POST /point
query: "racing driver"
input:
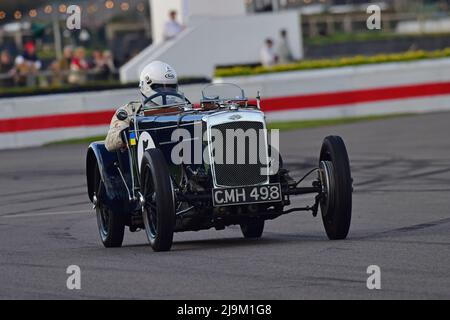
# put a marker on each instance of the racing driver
(155, 77)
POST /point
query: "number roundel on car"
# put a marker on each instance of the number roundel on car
(145, 143)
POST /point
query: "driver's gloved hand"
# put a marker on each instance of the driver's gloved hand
(120, 121)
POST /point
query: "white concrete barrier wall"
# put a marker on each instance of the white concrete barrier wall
(211, 41)
(422, 86)
(73, 108)
(344, 79)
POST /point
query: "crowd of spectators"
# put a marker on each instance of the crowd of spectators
(75, 67)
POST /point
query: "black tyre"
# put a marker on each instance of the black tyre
(336, 200)
(159, 209)
(252, 229)
(111, 225)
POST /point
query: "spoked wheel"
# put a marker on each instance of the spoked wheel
(159, 208)
(336, 197)
(110, 224)
(253, 228)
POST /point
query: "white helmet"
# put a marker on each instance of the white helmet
(157, 76)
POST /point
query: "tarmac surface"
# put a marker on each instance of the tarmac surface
(401, 223)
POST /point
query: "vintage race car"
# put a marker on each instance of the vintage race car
(191, 168)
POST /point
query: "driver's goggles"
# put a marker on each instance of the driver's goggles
(164, 87)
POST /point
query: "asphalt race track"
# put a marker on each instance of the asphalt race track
(401, 222)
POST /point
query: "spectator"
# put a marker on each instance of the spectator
(6, 63)
(284, 51)
(97, 59)
(78, 67)
(172, 28)
(103, 65)
(268, 56)
(27, 66)
(6, 69)
(109, 63)
(97, 65)
(66, 60)
(61, 67)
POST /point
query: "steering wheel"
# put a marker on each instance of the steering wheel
(164, 95)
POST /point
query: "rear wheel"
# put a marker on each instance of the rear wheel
(335, 176)
(252, 228)
(159, 208)
(111, 225)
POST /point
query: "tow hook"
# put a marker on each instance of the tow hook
(94, 201)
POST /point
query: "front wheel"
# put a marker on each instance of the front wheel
(159, 208)
(336, 196)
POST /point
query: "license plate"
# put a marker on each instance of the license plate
(246, 195)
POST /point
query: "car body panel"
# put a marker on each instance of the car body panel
(115, 194)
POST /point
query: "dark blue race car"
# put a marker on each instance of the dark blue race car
(189, 169)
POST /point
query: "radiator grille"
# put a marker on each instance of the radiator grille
(231, 173)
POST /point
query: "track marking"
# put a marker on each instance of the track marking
(43, 214)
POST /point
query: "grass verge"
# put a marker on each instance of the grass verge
(313, 64)
(87, 140)
(304, 124)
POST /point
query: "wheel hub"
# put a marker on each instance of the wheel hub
(326, 174)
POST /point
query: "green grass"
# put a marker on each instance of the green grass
(87, 140)
(282, 126)
(305, 124)
(313, 64)
(341, 37)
